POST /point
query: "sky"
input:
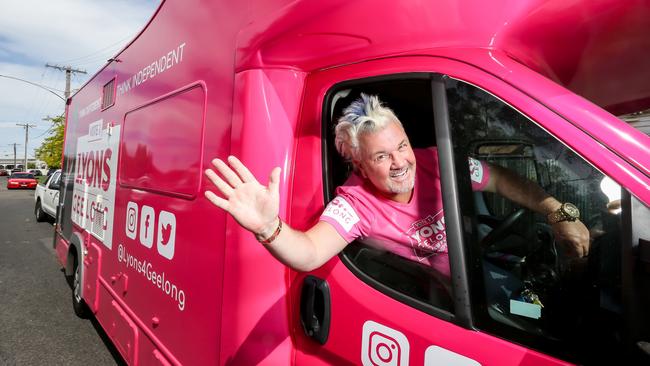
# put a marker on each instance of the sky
(82, 34)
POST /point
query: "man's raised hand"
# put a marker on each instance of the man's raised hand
(254, 206)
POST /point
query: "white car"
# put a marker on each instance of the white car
(47, 197)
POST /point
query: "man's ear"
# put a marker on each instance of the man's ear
(359, 168)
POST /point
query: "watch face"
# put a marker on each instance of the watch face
(571, 210)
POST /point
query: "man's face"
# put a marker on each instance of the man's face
(388, 162)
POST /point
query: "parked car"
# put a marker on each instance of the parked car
(36, 172)
(16, 170)
(46, 197)
(3, 172)
(22, 180)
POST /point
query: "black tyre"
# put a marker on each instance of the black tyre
(38, 211)
(78, 304)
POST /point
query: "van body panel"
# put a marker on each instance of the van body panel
(421, 330)
(255, 324)
(125, 333)
(169, 293)
(61, 249)
(92, 267)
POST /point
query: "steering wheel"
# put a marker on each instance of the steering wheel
(502, 228)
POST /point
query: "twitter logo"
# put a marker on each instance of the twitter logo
(166, 238)
(166, 234)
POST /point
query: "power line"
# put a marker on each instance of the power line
(95, 52)
(37, 85)
(38, 102)
(49, 130)
(46, 131)
(103, 57)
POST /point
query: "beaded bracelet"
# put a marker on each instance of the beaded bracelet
(275, 234)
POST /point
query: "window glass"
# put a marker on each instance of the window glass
(22, 176)
(55, 181)
(401, 272)
(152, 143)
(529, 288)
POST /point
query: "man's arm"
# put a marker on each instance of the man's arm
(306, 251)
(256, 207)
(573, 234)
(520, 190)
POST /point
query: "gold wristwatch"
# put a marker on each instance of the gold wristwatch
(566, 212)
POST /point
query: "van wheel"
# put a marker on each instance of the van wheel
(78, 304)
(38, 211)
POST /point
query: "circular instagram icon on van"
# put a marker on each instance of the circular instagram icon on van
(383, 346)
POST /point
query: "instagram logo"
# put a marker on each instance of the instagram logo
(131, 219)
(381, 345)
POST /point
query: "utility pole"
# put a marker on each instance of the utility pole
(14, 144)
(27, 126)
(68, 72)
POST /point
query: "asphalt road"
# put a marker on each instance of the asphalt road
(37, 323)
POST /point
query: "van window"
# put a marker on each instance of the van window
(413, 282)
(528, 290)
(162, 143)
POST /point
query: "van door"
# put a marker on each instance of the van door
(514, 297)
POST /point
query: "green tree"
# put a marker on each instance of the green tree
(51, 149)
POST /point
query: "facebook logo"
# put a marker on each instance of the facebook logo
(147, 228)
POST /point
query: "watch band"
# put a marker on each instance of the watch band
(566, 212)
(555, 216)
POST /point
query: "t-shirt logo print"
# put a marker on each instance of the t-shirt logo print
(475, 170)
(341, 211)
(428, 236)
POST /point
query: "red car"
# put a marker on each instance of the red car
(21, 180)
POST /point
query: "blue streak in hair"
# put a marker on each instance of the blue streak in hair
(358, 108)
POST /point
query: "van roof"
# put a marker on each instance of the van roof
(597, 49)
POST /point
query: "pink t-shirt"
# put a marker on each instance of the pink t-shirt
(413, 230)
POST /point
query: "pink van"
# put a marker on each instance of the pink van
(532, 85)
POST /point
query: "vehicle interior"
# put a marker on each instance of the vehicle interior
(402, 278)
(579, 301)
